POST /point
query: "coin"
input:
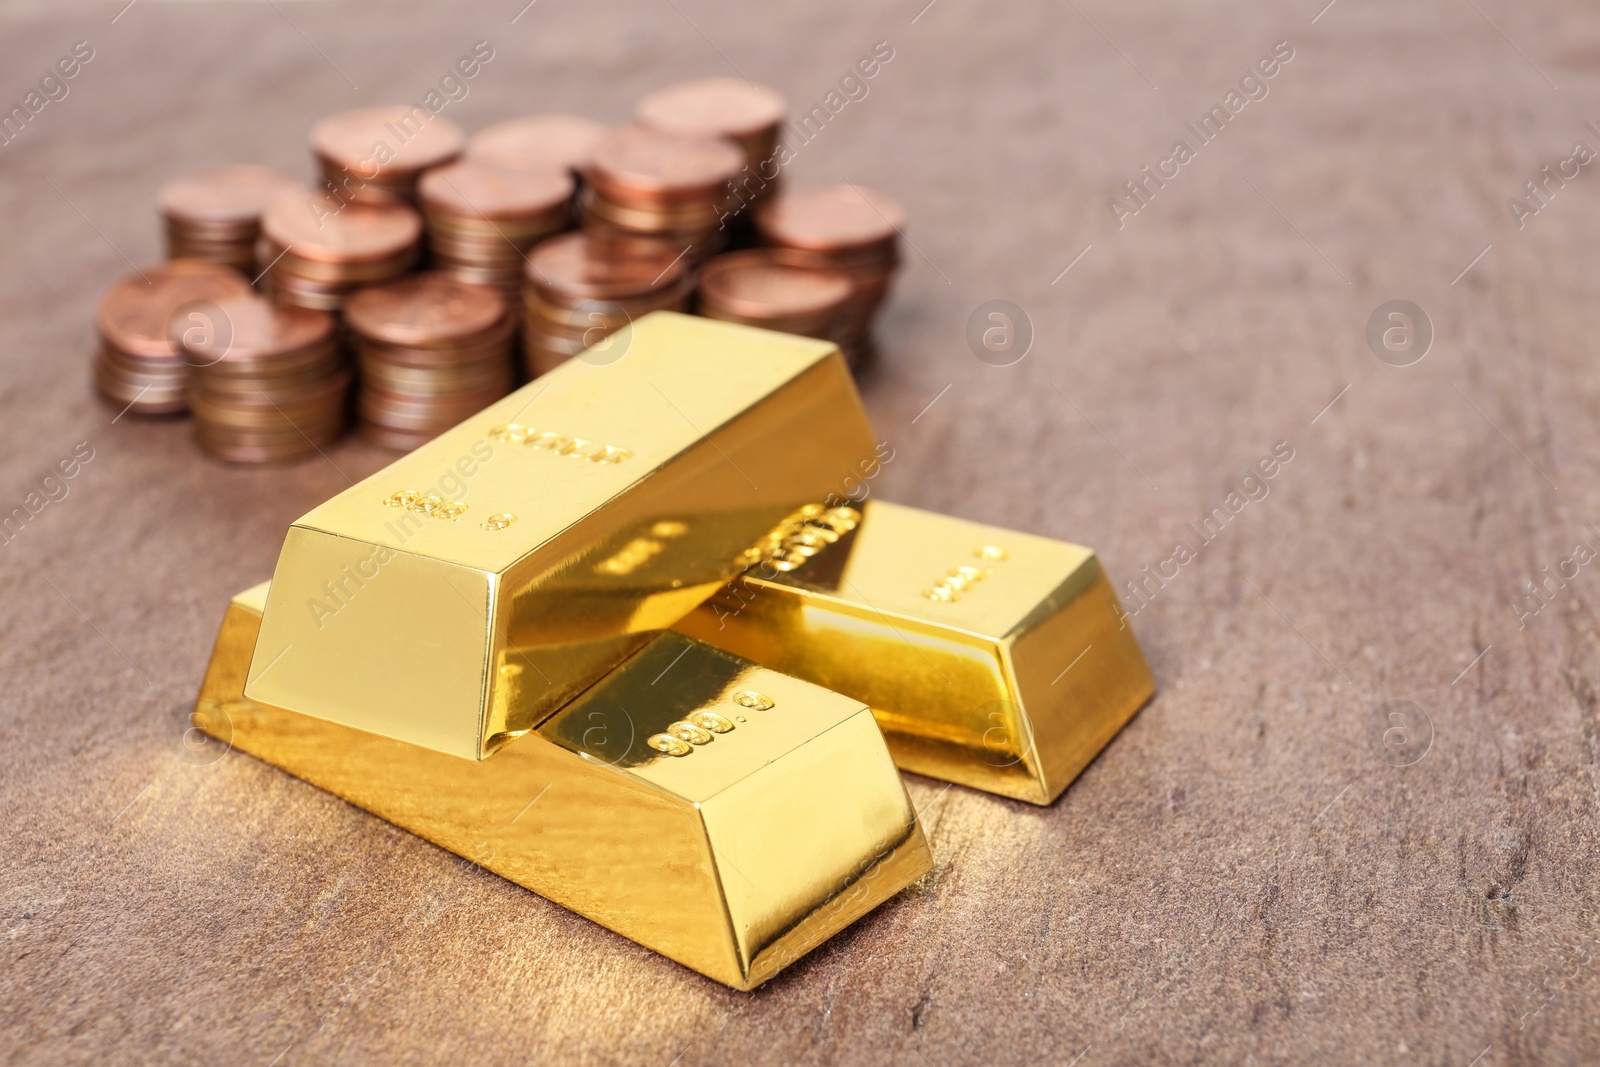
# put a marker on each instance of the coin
(249, 336)
(831, 219)
(483, 217)
(580, 266)
(134, 312)
(713, 107)
(563, 141)
(859, 230)
(226, 198)
(472, 189)
(266, 381)
(137, 365)
(322, 227)
(426, 311)
(377, 143)
(763, 286)
(634, 162)
(432, 350)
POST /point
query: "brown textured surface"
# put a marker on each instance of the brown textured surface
(1239, 879)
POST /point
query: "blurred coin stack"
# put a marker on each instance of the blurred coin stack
(411, 139)
(563, 141)
(266, 381)
(582, 287)
(778, 289)
(483, 217)
(216, 214)
(664, 186)
(856, 228)
(137, 367)
(432, 350)
(315, 249)
(749, 115)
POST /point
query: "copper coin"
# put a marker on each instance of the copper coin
(427, 310)
(577, 266)
(320, 227)
(832, 218)
(485, 348)
(134, 312)
(373, 140)
(430, 382)
(712, 107)
(399, 440)
(286, 265)
(652, 218)
(479, 190)
(635, 162)
(226, 196)
(247, 388)
(143, 398)
(247, 329)
(774, 283)
(580, 318)
(564, 141)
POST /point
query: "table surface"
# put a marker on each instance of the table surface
(1241, 877)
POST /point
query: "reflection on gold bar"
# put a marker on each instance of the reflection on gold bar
(995, 659)
(463, 594)
(724, 815)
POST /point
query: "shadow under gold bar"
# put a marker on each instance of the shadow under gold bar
(464, 593)
(718, 812)
(991, 658)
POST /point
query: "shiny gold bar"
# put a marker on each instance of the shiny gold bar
(991, 658)
(460, 596)
(720, 813)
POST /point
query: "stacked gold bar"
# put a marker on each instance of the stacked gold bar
(477, 643)
(481, 624)
(992, 658)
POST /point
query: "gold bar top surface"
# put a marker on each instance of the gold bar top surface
(463, 594)
(992, 658)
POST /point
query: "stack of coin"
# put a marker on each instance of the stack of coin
(376, 152)
(483, 217)
(564, 141)
(582, 287)
(667, 186)
(315, 248)
(216, 214)
(138, 369)
(432, 351)
(747, 114)
(778, 289)
(266, 381)
(857, 229)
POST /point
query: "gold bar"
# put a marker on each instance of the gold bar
(720, 813)
(460, 596)
(991, 658)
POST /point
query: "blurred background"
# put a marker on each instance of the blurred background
(1249, 873)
